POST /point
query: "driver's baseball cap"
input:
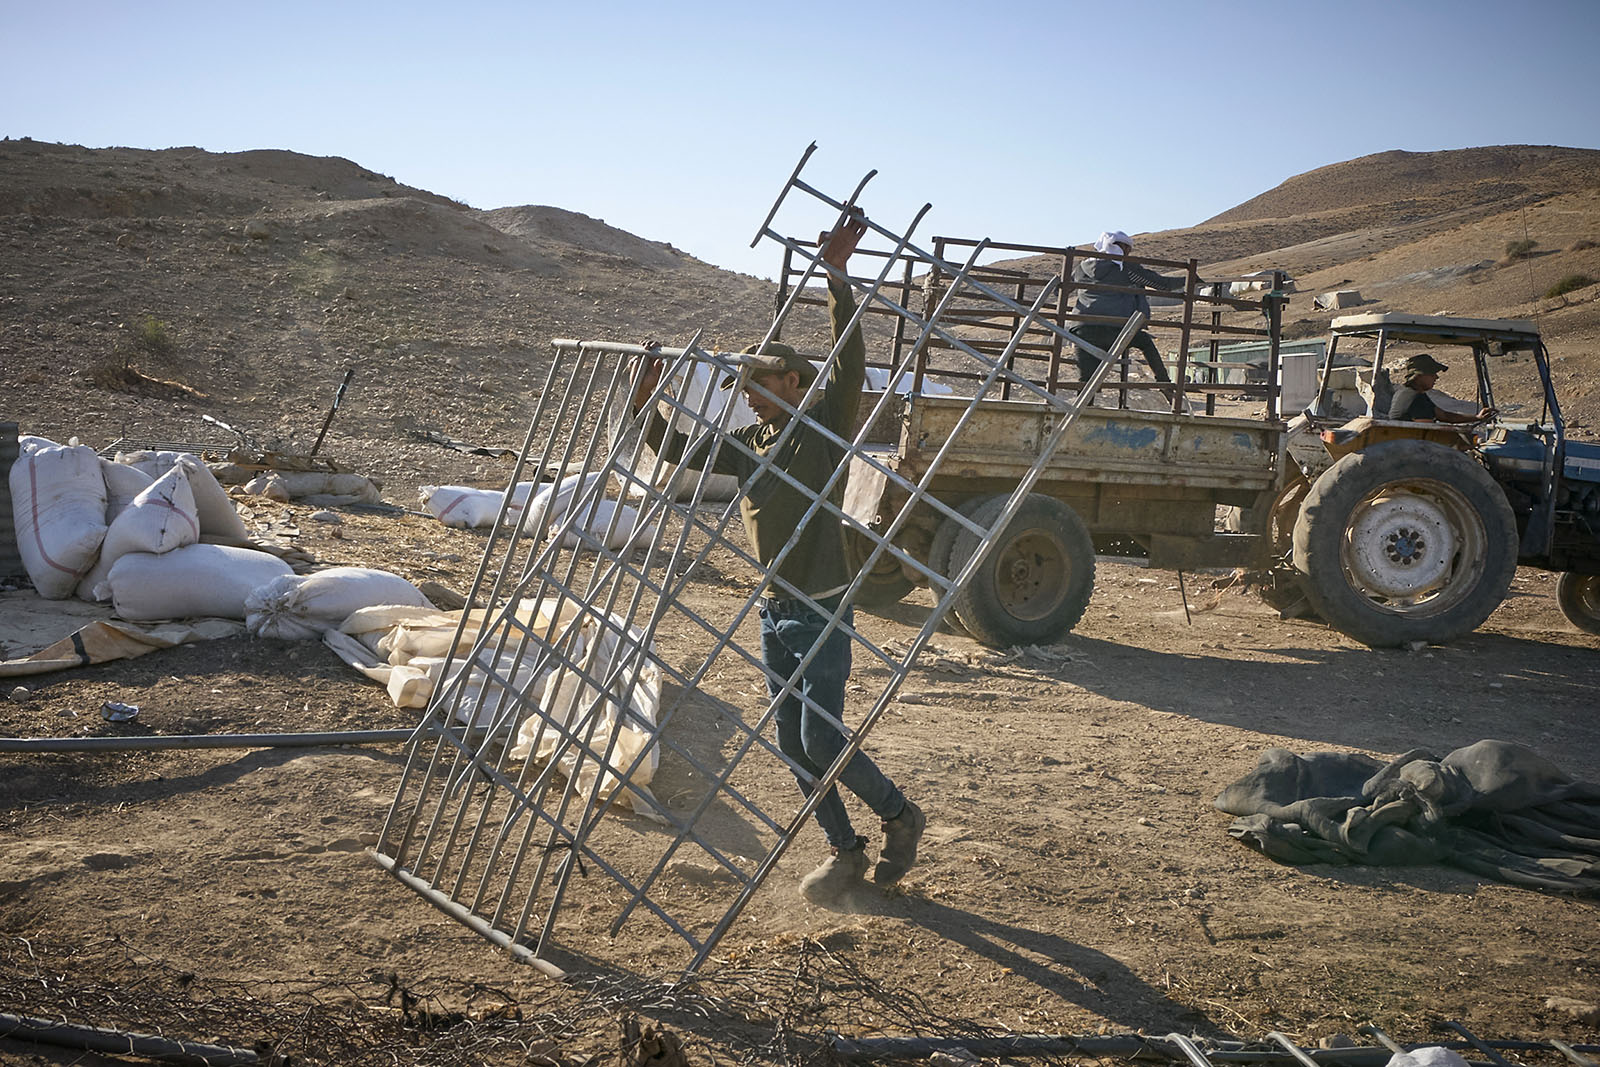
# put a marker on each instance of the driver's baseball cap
(1421, 363)
(773, 358)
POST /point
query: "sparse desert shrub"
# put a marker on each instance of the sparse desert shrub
(1516, 250)
(1567, 284)
(1581, 245)
(152, 337)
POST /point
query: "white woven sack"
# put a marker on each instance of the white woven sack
(471, 509)
(195, 580)
(58, 501)
(161, 518)
(597, 520)
(552, 502)
(123, 483)
(218, 519)
(459, 506)
(298, 607)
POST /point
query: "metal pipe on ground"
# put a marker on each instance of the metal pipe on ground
(122, 1042)
(187, 741)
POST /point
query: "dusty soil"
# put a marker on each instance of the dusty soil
(1076, 878)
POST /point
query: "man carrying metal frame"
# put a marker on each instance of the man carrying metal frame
(810, 694)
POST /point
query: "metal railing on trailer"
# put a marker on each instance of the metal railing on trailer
(990, 324)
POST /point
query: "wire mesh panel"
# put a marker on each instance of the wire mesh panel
(617, 596)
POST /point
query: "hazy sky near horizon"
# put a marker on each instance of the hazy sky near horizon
(1028, 122)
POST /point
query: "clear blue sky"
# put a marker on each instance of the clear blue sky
(1028, 121)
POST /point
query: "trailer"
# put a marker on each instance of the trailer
(1150, 464)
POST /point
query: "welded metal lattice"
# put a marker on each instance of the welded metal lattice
(557, 703)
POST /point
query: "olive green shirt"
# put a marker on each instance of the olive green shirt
(771, 508)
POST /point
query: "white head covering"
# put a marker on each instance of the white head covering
(1109, 240)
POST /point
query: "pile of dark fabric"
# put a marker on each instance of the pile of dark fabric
(1494, 808)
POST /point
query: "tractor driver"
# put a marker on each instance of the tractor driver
(1420, 373)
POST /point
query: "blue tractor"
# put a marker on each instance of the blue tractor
(1406, 531)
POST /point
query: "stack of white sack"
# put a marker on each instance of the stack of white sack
(299, 607)
(405, 649)
(160, 503)
(127, 532)
(616, 526)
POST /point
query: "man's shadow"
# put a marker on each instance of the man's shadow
(1074, 972)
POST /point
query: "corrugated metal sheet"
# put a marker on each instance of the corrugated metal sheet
(10, 559)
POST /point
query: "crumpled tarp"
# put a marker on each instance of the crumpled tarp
(108, 639)
(1494, 808)
(406, 650)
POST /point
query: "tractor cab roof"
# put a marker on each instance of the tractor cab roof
(1440, 330)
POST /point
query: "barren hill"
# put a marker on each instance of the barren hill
(272, 272)
(1441, 181)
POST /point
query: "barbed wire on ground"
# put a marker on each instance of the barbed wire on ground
(778, 1003)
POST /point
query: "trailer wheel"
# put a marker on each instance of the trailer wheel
(944, 538)
(1405, 541)
(1579, 597)
(1035, 584)
(885, 583)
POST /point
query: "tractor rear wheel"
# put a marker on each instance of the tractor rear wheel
(1405, 541)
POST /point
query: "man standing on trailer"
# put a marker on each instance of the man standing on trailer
(772, 510)
(1099, 271)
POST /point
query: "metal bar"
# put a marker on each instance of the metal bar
(519, 952)
(338, 398)
(1180, 374)
(776, 204)
(1572, 1054)
(1190, 1050)
(123, 1042)
(191, 741)
(1382, 1038)
(1294, 1050)
(1481, 1046)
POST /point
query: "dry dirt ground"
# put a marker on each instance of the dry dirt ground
(1075, 880)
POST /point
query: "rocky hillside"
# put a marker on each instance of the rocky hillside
(141, 290)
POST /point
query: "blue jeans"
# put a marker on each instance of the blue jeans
(788, 630)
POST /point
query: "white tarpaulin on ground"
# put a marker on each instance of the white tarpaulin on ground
(405, 650)
(1339, 298)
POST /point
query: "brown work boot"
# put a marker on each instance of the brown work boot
(900, 837)
(840, 873)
